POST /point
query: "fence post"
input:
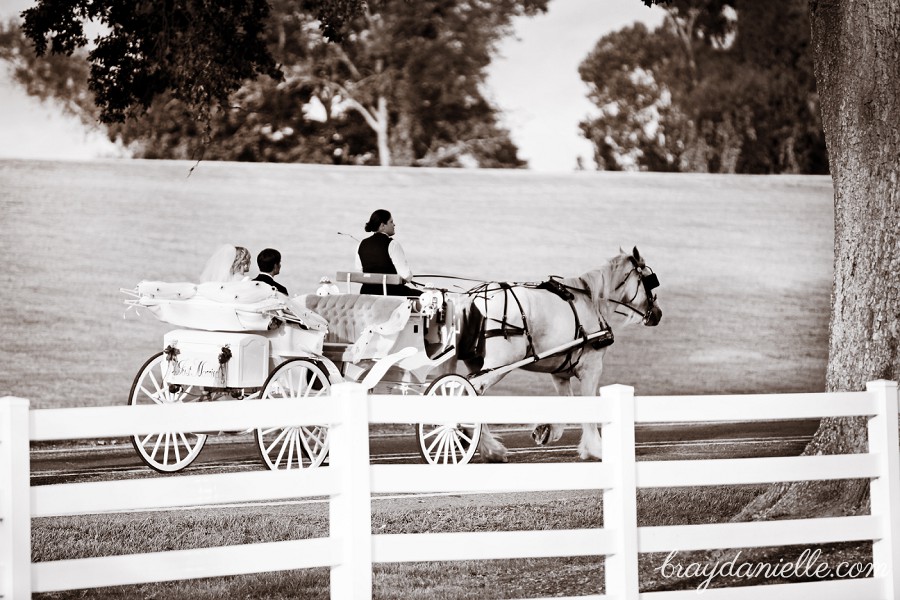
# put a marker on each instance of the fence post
(620, 501)
(15, 499)
(885, 489)
(351, 508)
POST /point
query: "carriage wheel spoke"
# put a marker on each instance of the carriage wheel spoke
(283, 433)
(176, 447)
(184, 440)
(459, 446)
(462, 433)
(159, 438)
(284, 444)
(437, 440)
(442, 452)
(431, 433)
(290, 455)
(296, 446)
(159, 389)
(155, 397)
(303, 442)
(317, 434)
(179, 449)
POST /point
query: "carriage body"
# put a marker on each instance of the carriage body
(242, 341)
(200, 359)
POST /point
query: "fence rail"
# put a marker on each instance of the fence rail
(349, 481)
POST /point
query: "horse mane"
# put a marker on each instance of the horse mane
(600, 281)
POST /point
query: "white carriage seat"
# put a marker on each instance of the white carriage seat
(164, 290)
(234, 306)
(368, 324)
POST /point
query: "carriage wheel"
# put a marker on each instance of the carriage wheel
(294, 446)
(170, 451)
(454, 443)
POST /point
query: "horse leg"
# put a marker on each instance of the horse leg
(547, 433)
(499, 352)
(589, 375)
(490, 448)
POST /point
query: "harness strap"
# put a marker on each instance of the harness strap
(506, 328)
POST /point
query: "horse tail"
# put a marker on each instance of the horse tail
(471, 340)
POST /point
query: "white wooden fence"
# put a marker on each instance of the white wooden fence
(351, 549)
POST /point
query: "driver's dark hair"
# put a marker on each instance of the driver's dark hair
(267, 259)
(378, 218)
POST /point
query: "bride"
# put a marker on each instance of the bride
(228, 263)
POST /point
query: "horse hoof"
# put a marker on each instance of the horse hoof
(496, 458)
(541, 435)
(589, 456)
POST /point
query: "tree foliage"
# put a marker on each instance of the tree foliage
(720, 86)
(57, 77)
(199, 50)
(399, 83)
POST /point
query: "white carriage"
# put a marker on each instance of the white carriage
(245, 341)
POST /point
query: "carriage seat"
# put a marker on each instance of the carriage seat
(383, 279)
(350, 315)
(212, 306)
(360, 326)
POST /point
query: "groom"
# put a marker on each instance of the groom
(269, 263)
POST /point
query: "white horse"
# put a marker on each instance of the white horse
(523, 321)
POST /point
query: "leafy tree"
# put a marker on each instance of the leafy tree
(719, 87)
(412, 72)
(858, 85)
(57, 77)
(635, 84)
(199, 50)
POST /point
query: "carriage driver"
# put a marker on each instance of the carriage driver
(379, 253)
(269, 263)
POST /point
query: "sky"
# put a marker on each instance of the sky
(534, 80)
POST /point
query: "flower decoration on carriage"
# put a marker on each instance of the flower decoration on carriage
(432, 301)
(327, 287)
(171, 352)
(224, 357)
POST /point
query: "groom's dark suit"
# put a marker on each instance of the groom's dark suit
(266, 278)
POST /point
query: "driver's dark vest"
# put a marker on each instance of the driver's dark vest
(373, 255)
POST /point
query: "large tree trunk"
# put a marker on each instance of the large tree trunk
(857, 53)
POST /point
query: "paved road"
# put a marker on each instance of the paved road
(62, 463)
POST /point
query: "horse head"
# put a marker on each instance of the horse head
(629, 285)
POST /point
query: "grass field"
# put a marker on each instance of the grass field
(744, 262)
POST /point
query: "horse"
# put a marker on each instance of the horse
(518, 321)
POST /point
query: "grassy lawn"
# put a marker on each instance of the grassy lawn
(744, 264)
(69, 537)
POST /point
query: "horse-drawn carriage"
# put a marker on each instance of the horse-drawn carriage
(245, 341)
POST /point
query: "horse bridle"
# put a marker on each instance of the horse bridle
(648, 280)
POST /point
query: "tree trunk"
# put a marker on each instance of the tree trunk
(402, 141)
(381, 131)
(856, 47)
